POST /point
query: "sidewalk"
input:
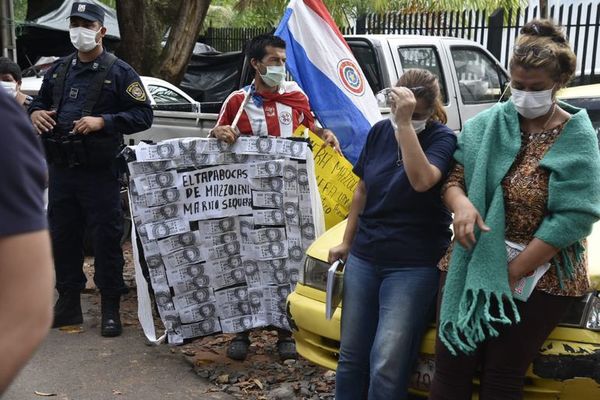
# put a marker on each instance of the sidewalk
(86, 366)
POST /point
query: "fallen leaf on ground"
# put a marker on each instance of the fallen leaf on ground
(71, 329)
(258, 383)
(44, 394)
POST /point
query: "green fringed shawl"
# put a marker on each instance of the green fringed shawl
(477, 297)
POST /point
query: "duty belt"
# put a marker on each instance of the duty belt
(73, 150)
(65, 150)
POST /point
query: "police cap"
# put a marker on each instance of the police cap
(88, 11)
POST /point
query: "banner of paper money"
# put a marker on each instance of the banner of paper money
(335, 179)
(224, 229)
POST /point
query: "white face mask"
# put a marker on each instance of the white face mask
(419, 125)
(83, 39)
(275, 75)
(10, 88)
(532, 104)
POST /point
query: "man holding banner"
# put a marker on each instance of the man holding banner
(270, 106)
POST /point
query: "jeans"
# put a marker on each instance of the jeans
(386, 309)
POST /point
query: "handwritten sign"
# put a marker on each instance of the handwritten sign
(216, 192)
(335, 179)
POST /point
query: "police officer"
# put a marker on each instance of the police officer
(87, 101)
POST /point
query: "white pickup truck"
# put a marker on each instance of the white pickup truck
(471, 79)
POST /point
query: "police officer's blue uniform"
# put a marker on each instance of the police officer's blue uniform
(88, 193)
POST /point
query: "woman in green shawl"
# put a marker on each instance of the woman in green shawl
(527, 174)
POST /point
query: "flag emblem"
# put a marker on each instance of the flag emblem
(350, 77)
(285, 118)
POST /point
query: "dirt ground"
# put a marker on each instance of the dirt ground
(261, 377)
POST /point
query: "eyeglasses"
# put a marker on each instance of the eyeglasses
(384, 96)
(536, 51)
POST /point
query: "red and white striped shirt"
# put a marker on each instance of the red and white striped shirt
(274, 114)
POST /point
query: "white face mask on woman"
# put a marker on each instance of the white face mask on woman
(532, 104)
(10, 88)
(83, 39)
(419, 125)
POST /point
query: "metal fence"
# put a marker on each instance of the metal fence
(496, 31)
(582, 26)
(499, 30)
(231, 39)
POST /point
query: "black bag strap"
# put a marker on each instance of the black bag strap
(96, 85)
(59, 80)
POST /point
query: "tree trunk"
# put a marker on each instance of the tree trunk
(182, 38)
(142, 24)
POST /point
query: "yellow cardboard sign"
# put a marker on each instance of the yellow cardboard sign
(335, 179)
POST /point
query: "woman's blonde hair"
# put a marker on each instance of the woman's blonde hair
(543, 44)
(430, 93)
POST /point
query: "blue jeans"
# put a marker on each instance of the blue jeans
(386, 309)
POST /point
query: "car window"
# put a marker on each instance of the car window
(424, 58)
(165, 96)
(479, 79)
(365, 56)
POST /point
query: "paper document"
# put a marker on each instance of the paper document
(525, 286)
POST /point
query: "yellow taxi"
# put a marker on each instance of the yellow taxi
(568, 364)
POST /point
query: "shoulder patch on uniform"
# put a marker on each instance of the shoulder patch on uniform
(136, 91)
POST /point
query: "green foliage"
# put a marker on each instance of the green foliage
(20, 7)
(444, 5)
(110, 3)
(267, 13)
(219, 16)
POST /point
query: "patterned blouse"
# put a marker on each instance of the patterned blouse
(525, 188)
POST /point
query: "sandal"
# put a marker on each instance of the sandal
(238, 348)
(286, 347)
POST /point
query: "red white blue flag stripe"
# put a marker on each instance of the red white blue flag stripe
(319, 59)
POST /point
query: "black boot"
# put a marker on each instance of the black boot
(111, 320)
(238, 347)
(67, 310)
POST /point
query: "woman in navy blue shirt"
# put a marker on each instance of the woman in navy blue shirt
(398, 229)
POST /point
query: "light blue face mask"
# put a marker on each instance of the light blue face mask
(275, 75)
